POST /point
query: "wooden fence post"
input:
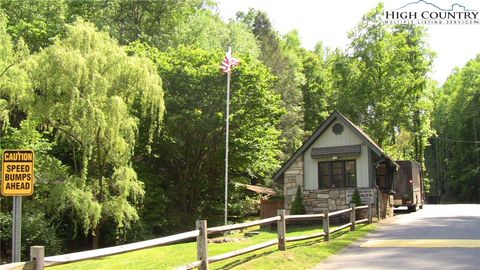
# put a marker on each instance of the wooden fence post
(369, 213)
(202, 247)
(326, 226)
(37, 254)
(281, 228)
(352, 217)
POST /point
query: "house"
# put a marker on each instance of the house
(334, 161)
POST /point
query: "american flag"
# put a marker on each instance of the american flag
(229, 62)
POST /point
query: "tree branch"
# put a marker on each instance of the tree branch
(6, 69)
(69, 134)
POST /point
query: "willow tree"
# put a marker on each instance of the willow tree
(14, 81)
(90, 94)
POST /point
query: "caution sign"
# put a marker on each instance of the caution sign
(17, 172)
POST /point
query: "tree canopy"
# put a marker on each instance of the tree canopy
(454, 152)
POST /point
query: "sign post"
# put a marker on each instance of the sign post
(17, 229)
(17, 181)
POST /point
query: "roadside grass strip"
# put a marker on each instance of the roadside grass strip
(299, 255)
(422, 243)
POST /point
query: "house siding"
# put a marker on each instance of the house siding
(330, 139)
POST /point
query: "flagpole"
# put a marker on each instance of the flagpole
(226, 138)
(226, 141)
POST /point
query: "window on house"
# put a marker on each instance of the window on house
(324, 174)
(337, 174)
(382, 177)
(350, 173)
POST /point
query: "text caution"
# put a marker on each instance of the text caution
(17, 172)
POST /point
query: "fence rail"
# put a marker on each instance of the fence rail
(38, 261)
(340, 212)
(281, 218)
(101, 252)
(30, 265)
(242, 225)
(304, 217)
(339, 228)
(90, 254)
(365, 220)
(242, 251)
(304, 237)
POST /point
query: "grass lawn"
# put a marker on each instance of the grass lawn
(299, 255)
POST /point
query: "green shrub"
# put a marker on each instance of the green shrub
(36, 230)
(356, 198)
(298, 208)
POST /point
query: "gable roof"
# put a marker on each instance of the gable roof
(259, 189)
(356, 130)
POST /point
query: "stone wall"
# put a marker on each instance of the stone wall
(386, 206)
(292, 177)
(316, 201)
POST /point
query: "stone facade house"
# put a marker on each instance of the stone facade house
(334, 161)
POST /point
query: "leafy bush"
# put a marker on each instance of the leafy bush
(356, 198)
(298, 208)
(243, 203)
(36, 230)
(426, 185)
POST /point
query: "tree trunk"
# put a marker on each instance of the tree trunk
(96, 237)
(97, 167)
(182, 193)
(417, 136)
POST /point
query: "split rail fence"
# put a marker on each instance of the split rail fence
(38, 261)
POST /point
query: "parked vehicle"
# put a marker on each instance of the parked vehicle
(408, 185)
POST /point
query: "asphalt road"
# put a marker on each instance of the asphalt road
(437, 237)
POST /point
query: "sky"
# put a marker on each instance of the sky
(330, 21)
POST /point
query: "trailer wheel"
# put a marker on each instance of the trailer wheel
(412, 208)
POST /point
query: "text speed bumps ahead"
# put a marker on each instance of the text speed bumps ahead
(17, 172)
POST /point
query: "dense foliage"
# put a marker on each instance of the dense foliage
(454, 154)
(124, 104)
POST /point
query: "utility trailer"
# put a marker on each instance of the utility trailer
(408, 185)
